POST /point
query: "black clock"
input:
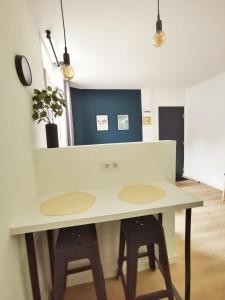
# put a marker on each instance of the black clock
(23, 70)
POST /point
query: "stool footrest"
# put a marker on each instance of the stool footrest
(140, 255)
(155, 295)
(78, 270)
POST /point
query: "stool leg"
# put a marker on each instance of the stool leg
(98, 275)
(59, 278)
(132, 263)
(163, 256)
(121, 254)
(151, 256)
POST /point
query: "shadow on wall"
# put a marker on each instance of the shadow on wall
(106, 116)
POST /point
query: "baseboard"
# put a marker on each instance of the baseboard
(204, 181)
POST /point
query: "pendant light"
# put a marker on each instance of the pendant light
(159, 37)
(66, 68)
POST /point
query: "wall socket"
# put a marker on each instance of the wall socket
(114, 164)
(106, 165)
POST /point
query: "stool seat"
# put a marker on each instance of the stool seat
(140, 226)
(75, 243)
(75, 237)
(134, 233)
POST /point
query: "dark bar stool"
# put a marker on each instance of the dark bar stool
(75, 243)
(137, 232)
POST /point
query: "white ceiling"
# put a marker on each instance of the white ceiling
(110, 41)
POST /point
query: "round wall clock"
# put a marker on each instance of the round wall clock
(23, 70)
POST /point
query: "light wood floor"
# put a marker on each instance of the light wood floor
(208, 254)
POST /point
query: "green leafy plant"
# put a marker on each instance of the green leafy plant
(47, 105)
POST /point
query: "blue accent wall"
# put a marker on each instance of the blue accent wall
(86, 104)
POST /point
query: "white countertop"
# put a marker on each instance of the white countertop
(108, 207)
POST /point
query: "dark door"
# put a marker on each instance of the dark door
(171, 127)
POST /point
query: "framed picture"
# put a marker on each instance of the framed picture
(102, 122)
(123, 122)
(146, 120)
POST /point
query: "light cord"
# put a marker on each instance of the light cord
(64, 30)
(158, 9)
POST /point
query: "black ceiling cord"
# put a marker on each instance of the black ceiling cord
(64, 30)
(48, 36)
(66, 57)
(159, 22)
(158, 9)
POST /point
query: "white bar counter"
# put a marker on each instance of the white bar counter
(108, 207)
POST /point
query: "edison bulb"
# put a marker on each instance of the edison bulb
(67, 72)
(159, 39)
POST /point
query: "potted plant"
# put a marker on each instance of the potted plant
(47, 106)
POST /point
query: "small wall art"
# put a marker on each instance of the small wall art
(123, 122)
(146, 120)
(102, 122)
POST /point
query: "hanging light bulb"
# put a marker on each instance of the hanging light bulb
(67, 72)
(159, 37)
(66, 68)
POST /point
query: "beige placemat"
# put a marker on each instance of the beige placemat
(67, 204)
(141, 194)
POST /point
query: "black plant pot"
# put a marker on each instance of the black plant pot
(52, 135)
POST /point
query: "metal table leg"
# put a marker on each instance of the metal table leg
(32, 261)
(160, 218)
(188, 254)
(51, 250)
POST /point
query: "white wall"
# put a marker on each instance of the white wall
(17, 178)
(82, 166)
(152, 99)
(205, 132)
(147, 103)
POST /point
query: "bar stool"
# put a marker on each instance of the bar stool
(75, 243)
(137, 232)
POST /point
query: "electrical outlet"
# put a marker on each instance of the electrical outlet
(115, 164)
(110, 165)
(105, 165)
